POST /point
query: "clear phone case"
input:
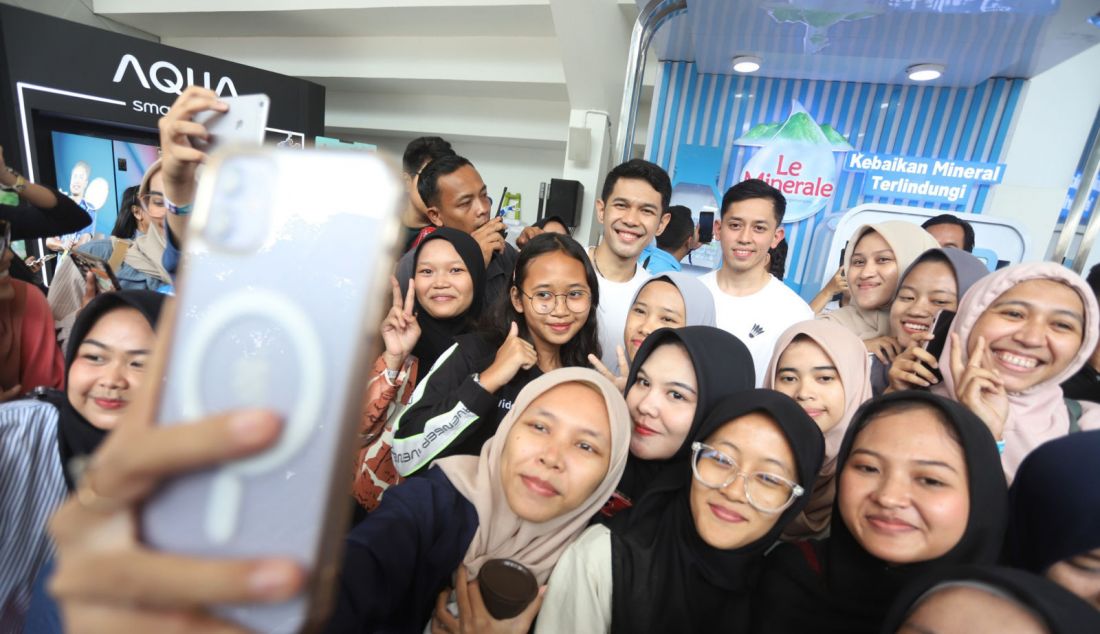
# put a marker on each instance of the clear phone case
(285, 282)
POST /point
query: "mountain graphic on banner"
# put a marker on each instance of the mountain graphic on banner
(797, 157)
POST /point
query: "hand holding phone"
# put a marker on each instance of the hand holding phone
(254, 328)
(99, 268)
(103, 568)
(706, 227)
(180, 157)
(490, 237)
(242, 124)
(918, 366)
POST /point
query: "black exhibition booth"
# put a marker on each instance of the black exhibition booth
(58, 76)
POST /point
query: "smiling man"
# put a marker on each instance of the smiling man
(633, 209)
(455, 196)
(750, 302)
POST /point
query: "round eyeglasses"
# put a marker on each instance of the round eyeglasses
(766, 492)
(544, 302)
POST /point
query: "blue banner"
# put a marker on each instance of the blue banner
(920, 177)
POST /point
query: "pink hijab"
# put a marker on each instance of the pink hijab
(854, 367)
(1039, 413)
(503, 534)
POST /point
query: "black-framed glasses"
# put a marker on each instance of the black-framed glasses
(544, 302)
(5, 235)
(766, 492)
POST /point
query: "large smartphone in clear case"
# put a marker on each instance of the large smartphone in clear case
(283, 285)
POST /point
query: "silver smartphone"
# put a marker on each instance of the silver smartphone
(242, 126)
(288, 256)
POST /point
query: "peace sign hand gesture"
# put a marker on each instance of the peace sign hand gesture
(979, 386)
(400, 330)
(624, 365)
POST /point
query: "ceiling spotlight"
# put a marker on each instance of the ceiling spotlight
(924, 72)
(746, 64)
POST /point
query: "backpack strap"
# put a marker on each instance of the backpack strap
(1074, 409)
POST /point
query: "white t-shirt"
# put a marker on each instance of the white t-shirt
(758, 319)
(615, 299)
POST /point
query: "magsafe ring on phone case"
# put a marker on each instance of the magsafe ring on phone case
(263, 305)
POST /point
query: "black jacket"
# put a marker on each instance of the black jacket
(450, 413)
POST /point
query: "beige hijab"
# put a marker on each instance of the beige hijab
(500, 532)
(908, 242)
(854, 367)
(147, 251)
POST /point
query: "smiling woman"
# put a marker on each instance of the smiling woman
(547, 321)
(110, 341)
(550, 465)
(878, 253)
(824, 368)
(691, 551)
(919, 487)
(1018, 334)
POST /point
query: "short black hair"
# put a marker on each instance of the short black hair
(643, 170)
(428, 185)
(678, 230)
(778, 265)
(125, 222)
(755, 188)
(1093, 280)
(951, 219)
(424, 149)
(541, 224)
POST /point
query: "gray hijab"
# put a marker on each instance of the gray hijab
(968, 269)
(698, 302)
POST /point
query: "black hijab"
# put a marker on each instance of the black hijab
(1054, 503)
(75, 435)
(723, 366)
(665, 577)
(835, 585)
(437, 335)
(1060, 610)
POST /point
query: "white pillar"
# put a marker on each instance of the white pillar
(590, 169)
(1052, 124)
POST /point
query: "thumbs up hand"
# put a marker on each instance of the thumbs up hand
(514, 354)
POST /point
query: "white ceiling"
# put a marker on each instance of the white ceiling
(510, 71)
(876, 40)
(494, 71)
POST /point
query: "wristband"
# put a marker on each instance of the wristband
(390, 376)
(1000, 446)
(179, 210)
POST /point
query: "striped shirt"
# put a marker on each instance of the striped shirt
(32, 486)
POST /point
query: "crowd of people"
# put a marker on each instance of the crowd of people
(661, 452)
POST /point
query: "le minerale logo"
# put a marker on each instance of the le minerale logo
(797, 157)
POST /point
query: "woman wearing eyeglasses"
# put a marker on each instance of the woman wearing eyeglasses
(919, 488)
(547, 321)
(690, 554)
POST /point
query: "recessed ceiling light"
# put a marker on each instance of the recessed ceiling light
(746, 64)
(924, 72)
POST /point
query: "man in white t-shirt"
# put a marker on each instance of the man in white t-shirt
(633, 209)
(750, 302)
